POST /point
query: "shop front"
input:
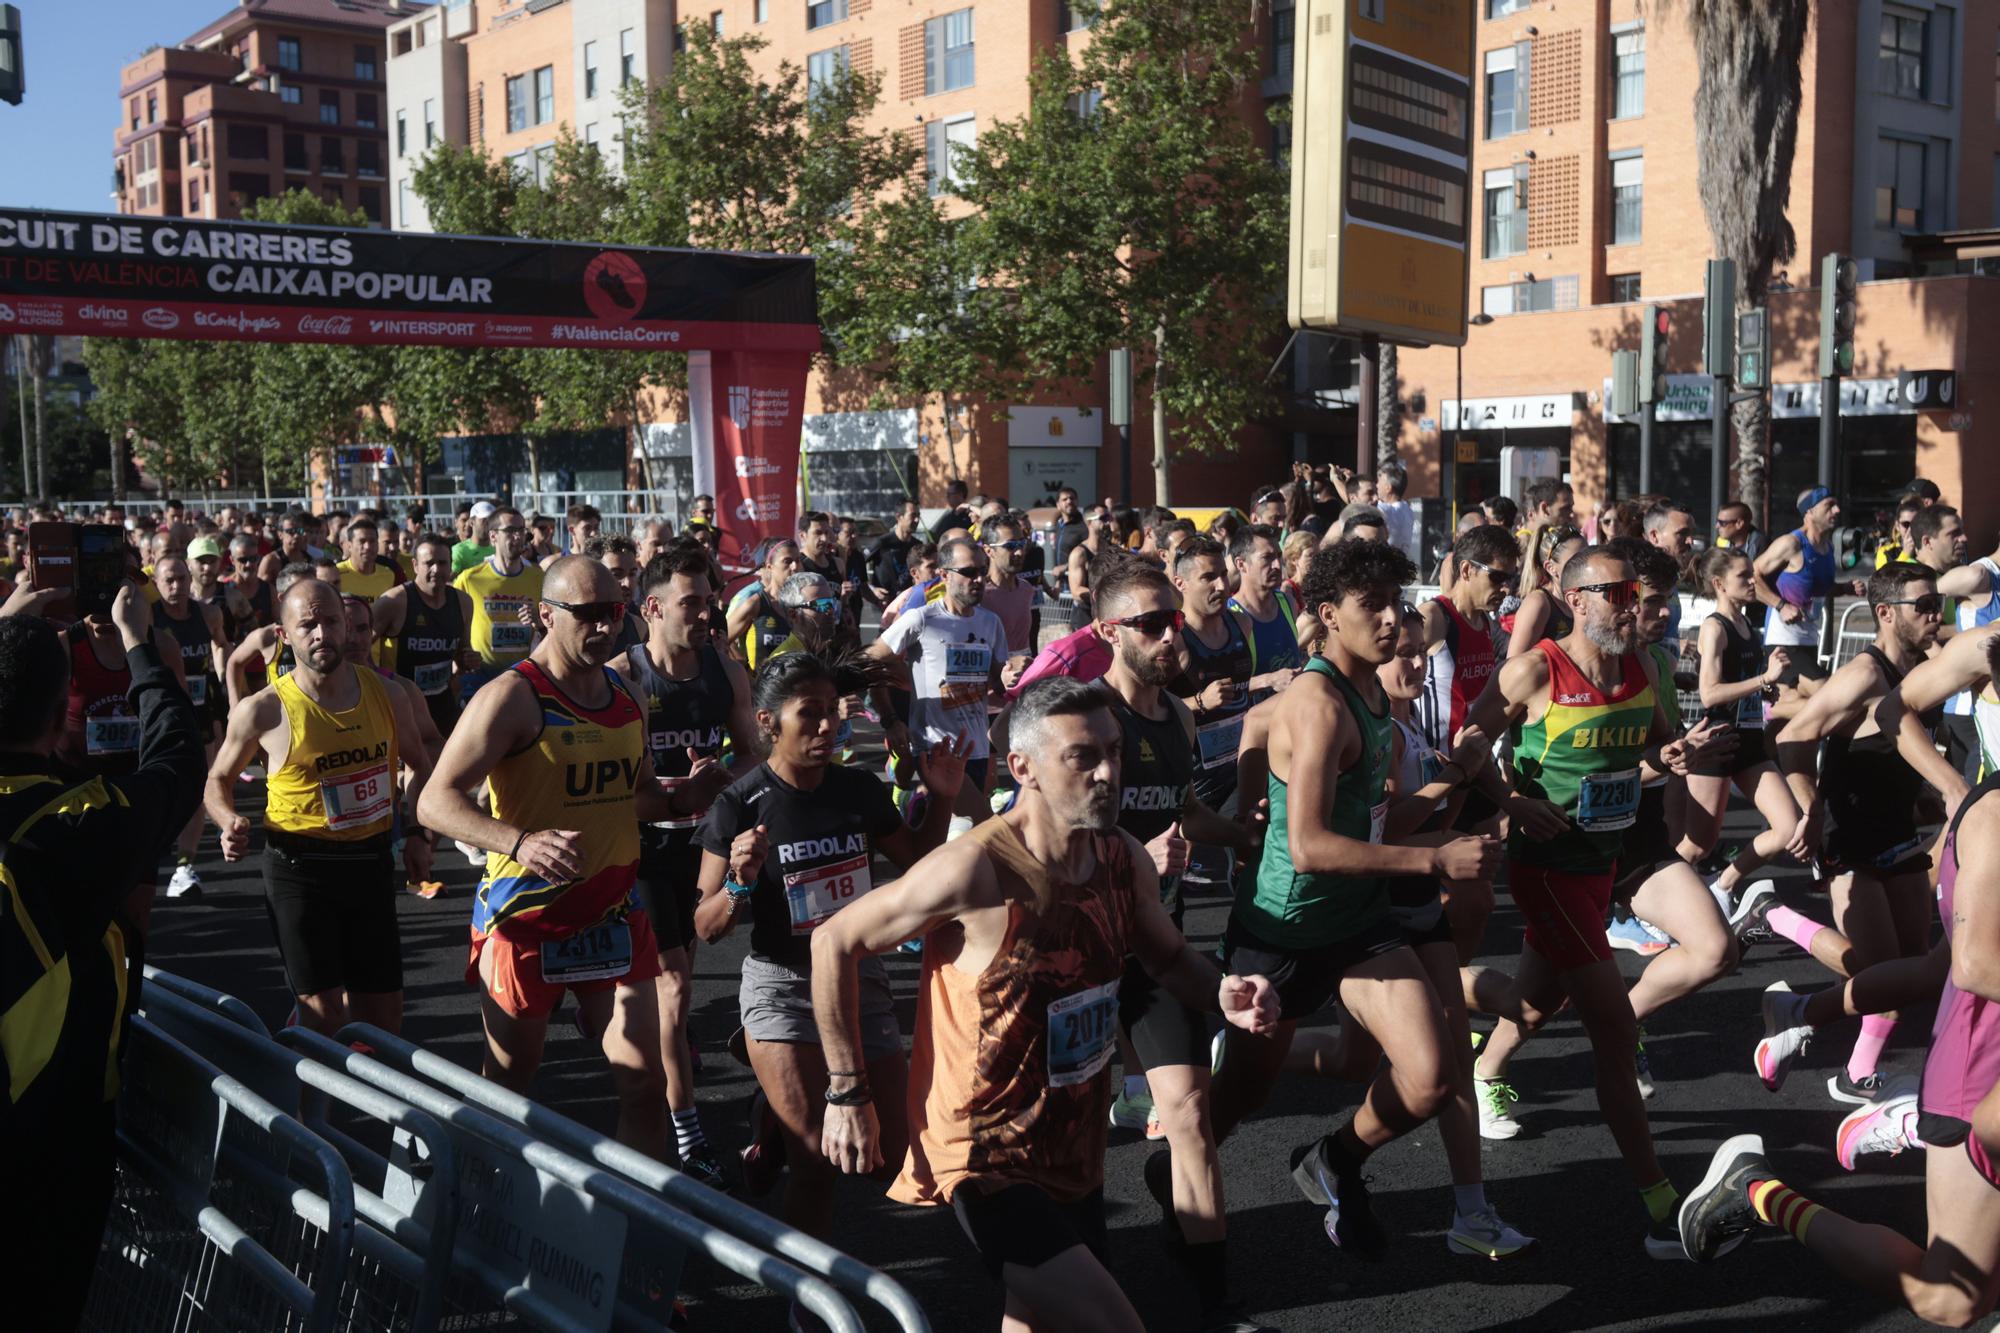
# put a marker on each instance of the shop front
(1487, 426)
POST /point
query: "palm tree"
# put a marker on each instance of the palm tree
(1746, 120)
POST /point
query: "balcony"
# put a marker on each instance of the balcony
(180, 61)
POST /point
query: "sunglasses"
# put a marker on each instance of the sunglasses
(512, 529)
(1017, 544)
(590, 613)
(965, 571)
(290, 532)
(1623, 593)
(1930, 604)
(826, 606)
(1153, 624)
(1504, 579)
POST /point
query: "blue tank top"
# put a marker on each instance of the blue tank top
(1814, 580)
(1274, 643)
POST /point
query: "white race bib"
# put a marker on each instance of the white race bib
(1218, 740)
(1083, 1030)
(594, 954)
(1750, 712)
(361, 797)
(508, 634)
(431, 677)
(815, 895)
(968, 671)
(110, 735)
(1608, 802)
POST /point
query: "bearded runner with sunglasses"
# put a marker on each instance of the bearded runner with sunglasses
(1860, 823)
(500, 586)
(1138, 618)
(960, 647)
(1591, 712)
(562, 744)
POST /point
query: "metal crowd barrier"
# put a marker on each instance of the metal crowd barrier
(725, 1227)
(226, 1005)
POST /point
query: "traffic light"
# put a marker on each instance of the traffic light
(1838, 277)
(1624, 384)
(1753, 350)
(1718, 318)
(13, 76)
(1853, 548)
(1653, 356)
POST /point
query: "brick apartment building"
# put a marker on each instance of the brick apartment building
(1585, 180)
(273, 95)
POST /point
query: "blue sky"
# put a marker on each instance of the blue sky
(55, 148)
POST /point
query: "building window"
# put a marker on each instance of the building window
(1502, 8)
(1507, 91)
(194, 196)
(1901, 57)
(134, 109)
(819, 13)
(1628, 199)
(715, 24)
(288, 54)
(1628, 73)
(332, 160)
(364, 63)
(249, 186)
(517, 102)
(402, 203)
(589, 70)
(1530, 297)
(628, 68)
(249, 143)
(948, 52)
(430, 122)
(289, 94)
(402, 135)
(944, 140)
(823, 68)
(364, 110)
(1624, 287)
(1086, 104)
(371, 202)
(295, 153)
(763, 10)
(1906, 196)
(152, 108)
(1284, 24)
(329, 107)
(368, 157)
(1072, 18)
(680, 37)
(1506, 211)
(545, 94)
(590, 136)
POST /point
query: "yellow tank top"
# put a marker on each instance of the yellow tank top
(580, 774)
(369, 586)
(497, 634)
(338, 783)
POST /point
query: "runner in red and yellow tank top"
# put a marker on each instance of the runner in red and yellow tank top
(560, 740)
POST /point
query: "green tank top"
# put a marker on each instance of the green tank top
(1663, 671)
(1583, 755)
(1289, 910)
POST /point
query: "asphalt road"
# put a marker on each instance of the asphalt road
(1561, 1180)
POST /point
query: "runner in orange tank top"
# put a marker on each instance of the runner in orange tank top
(1027, 922)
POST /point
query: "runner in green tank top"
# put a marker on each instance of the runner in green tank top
(1591, 712)
(1316, 920)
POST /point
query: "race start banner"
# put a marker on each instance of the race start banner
(112, 275)
(748, 409)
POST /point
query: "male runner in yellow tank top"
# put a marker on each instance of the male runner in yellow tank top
(500, 586)
(364, 573)
(332, 737)
(561, 741)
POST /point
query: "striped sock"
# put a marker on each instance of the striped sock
(1778, 1204)
(687, 1130)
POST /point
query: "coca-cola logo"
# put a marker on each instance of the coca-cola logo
(157, 318)
(327, 326)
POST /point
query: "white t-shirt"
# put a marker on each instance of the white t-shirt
(1400, 526)
(954, 664)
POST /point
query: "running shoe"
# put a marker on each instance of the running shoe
(1786, 1034)
(1485, 1236)
(1156, 1130)
(1636, 936)
(702, 1164)
(1350, 1222)
(1496, 1098)
(428, 888)
(185, 883)
(1751, 906)
(1217, 1046)
(1854, 1091)
(1129, 1112)
(1716, 1216)
(475, 855)
(1885, 1125)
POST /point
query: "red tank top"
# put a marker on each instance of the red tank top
(100, 726)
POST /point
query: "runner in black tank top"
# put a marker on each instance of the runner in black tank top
(681, 716)
(1742, 658)
(430, 643)
(1217, 729)
(1871, 794)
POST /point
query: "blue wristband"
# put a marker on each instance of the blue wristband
(736, 890)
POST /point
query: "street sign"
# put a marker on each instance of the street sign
(1381, 169)
(1927, 390)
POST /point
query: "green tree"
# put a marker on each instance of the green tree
(1132, 206)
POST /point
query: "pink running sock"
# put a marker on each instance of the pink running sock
(1875, 1031)
(1800, 930)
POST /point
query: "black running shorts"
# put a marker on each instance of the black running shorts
(1163, 1030)
(669, 867)
(333, 911)
(1307, 979)
(1021, 1224)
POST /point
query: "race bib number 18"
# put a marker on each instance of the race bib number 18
(815, 895)
(355, 799)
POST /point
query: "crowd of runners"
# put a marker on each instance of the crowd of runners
(1089, 718)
